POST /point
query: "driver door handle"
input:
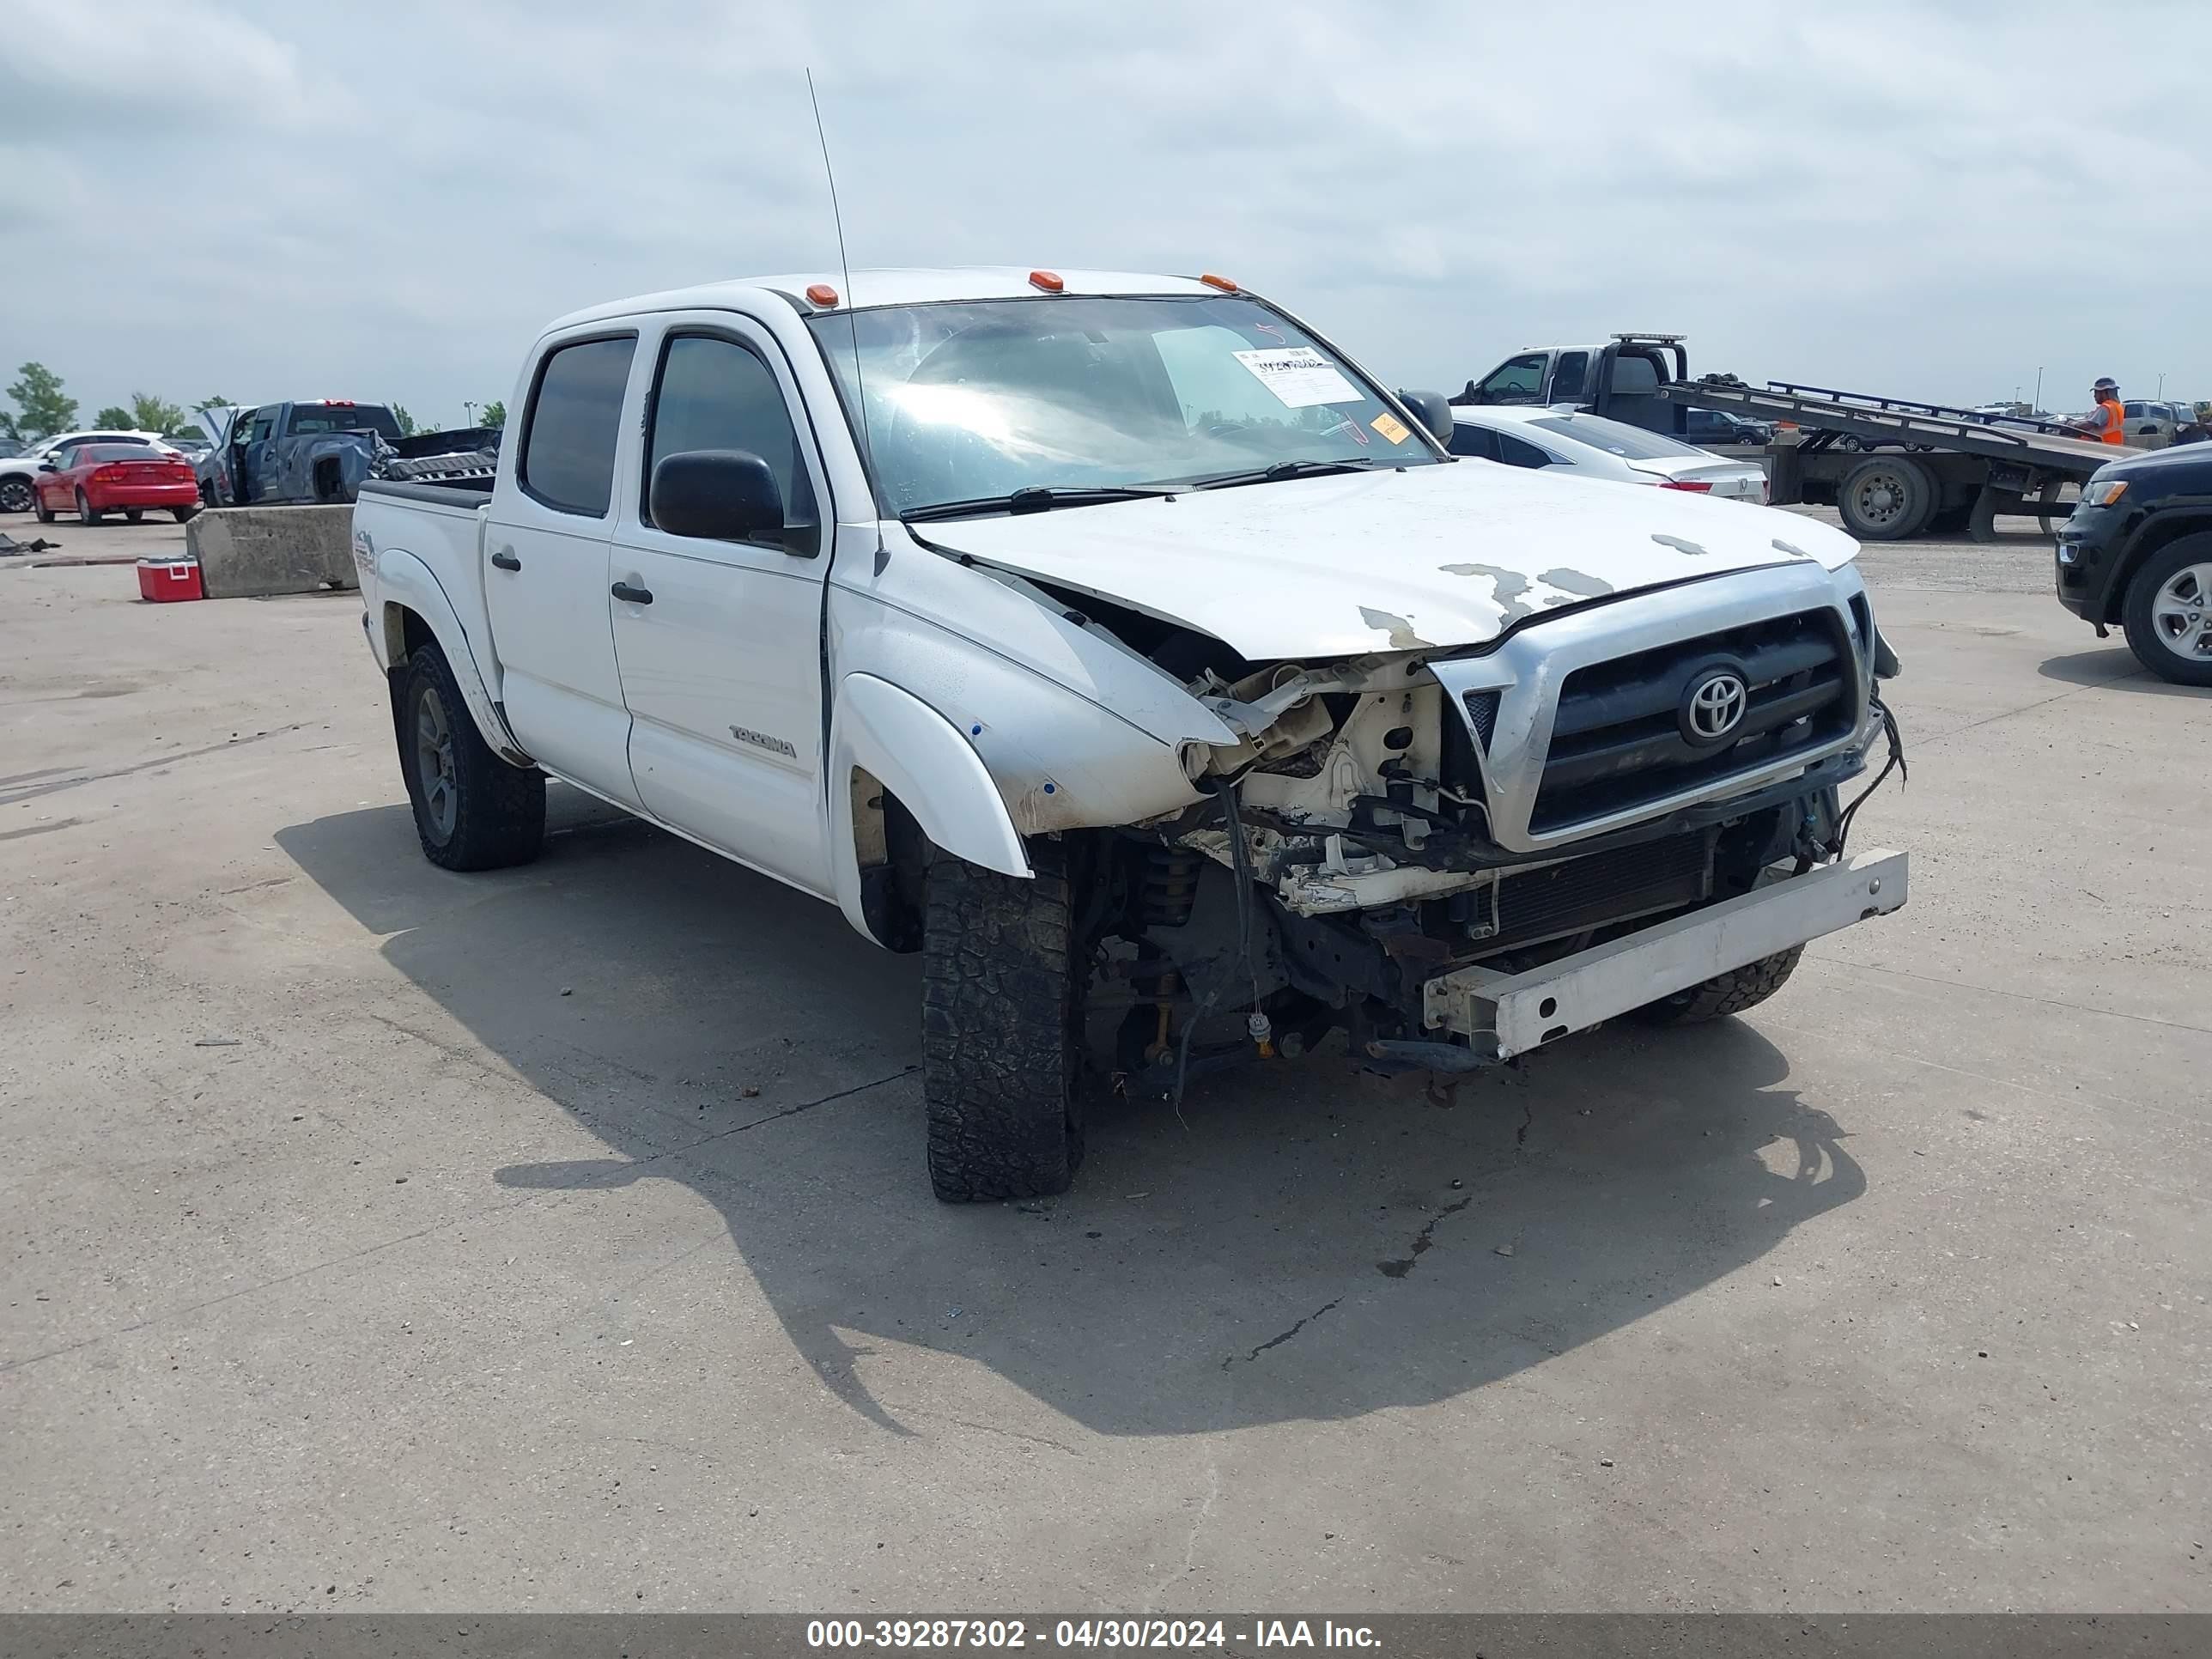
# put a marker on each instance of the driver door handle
(630, 595)
(505, 559)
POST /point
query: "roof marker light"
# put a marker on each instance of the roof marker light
(821, 294)
(1221, 282)
(1045, 280)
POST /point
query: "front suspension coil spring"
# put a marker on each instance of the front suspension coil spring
(1168, 886)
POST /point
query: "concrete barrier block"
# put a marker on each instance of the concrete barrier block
(246, 552)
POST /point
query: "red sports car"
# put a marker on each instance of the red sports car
(95, 479)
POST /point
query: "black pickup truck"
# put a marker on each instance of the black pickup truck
(2137, 551)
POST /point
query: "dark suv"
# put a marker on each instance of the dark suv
(2138, 552)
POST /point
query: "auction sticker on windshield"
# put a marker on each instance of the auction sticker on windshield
(1299, 376)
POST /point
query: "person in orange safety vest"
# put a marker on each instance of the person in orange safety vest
(2106, 425)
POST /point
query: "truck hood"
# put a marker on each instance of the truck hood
(1434, 556)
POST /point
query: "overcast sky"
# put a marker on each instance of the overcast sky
(385, 201)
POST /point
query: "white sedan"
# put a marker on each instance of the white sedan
(1592, 446)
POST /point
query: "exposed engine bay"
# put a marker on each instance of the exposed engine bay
(1344, 854)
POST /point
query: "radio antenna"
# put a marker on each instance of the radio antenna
(852, 322)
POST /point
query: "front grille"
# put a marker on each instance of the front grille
(1617, 740)
(1604, 887)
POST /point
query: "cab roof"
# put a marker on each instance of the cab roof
(864, 288)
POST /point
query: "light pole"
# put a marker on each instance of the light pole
(2039, 385)
(469, 410)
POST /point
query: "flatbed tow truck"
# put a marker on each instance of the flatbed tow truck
(1892, 467)
(1915, 467)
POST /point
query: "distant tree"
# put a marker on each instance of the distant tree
(7, 427)
(40, 409)
(495, 414)
(152, 414)
(113, 415)
(206, 404)
(406, 421)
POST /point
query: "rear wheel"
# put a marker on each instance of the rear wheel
(1725, 993)
(16, 494)
(1887, 499)
(2167, 612)
(472, 810)
(1003, 982)
(86, 513)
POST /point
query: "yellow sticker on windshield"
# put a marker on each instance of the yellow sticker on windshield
(1391, 427)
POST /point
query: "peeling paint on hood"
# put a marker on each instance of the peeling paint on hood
(1431, 558)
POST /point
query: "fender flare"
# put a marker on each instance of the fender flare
(921, 758)
(403, 581)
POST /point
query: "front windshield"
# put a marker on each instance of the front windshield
(1630, 443)
(973, 400)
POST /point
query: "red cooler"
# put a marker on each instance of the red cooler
(161, 579)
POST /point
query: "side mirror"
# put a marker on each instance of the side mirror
(718, 494)
(1433, 410)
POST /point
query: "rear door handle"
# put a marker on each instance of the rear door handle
(630, 595)
(505, 559)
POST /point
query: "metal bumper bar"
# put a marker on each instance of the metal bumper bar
(1508, 1014)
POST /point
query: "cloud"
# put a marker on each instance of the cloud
(273, 200)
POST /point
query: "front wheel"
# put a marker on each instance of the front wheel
(2167, 612)
(16, 495)
(38, 506)
(1725, 993)
(1003, 979)
(472, 810)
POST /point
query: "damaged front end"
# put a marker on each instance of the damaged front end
(1456, 856)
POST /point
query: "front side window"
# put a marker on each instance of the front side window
(1521, 378)
(972, 400)
(1477, 442)
(716, 394)
(569, 449)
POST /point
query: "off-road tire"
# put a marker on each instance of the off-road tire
(18, 495)
(499, 817)
(1725, 993)
(1003, 978)
(85, 515)
(2152, 652)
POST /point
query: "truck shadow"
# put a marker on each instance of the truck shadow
(1301, 1240)
(2113, 667)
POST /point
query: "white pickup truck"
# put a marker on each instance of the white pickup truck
(1119, 644)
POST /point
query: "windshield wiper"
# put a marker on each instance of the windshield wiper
(1275, 471)
(1036, 498)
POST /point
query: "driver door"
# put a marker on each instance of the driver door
(718, 643)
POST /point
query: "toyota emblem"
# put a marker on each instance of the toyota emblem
(1713, 707)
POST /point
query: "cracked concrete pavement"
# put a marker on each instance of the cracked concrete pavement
(558, 1238)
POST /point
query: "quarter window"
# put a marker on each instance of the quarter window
(715, 394)
(569, 451)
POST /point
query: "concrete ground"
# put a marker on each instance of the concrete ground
(381, 1238)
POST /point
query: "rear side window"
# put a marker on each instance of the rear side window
(569, 451)
(1568, 379)
(716, 394)
(1513, 452)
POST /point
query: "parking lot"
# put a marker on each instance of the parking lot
(382, 1238)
